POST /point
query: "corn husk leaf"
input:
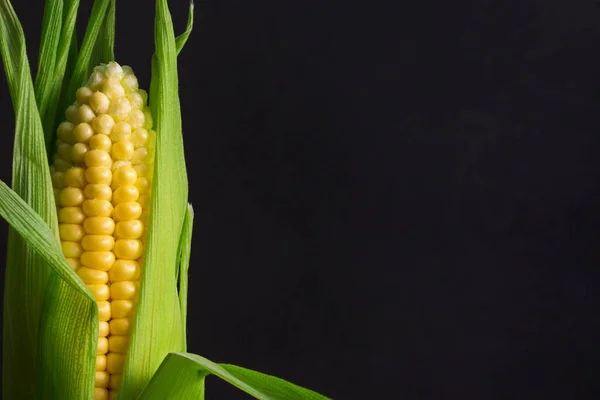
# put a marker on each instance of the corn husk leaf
(185, 250)
(181, 376)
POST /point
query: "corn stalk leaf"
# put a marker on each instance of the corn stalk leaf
(158, 327)
(185, 250)
(181, 40)
(181, 376)
(57, 35)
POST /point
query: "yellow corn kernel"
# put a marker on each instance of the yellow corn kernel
(98, 242)
(126, 174)
(128, 249)
(115, 381)
(103, 124)
(100, 292)
(99, 102)
(120, 109)
(98, 192)
(100, 142)
(58, 179)
(101, 363)
(120, 326)
(112, 89)
(121, 131)
(102, 260)
(70, 232)
(71, 113)
(98, 175)
(65, 132)
(83, 132)
(83, 94)
(78, 152)
(61, 165)
(97, 208)
(115, 362)
(97, 158)
(64, 150)
(100, 394)
(137, 118)
(71, 196)
(92, 276)
(74, 177)
(103, 328)
(99, 225)
(129, 82)
(127, 211)
(104, 312)
(124, 270)
(141, 170)
(131, 229)
(74, 263)
(139, 155)
(71, 249)
(102, 346)
(71, 215)
(118, 344)
(85, 113)
(125, 290)
(102, 379)
(136, 100)
(121, 308)
(143, 185)
(125, 193)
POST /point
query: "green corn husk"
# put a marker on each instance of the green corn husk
(50, 316)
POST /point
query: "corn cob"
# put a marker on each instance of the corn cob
(101, 175)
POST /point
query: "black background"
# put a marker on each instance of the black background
(391, 201)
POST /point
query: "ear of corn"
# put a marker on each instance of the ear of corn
(96, 295)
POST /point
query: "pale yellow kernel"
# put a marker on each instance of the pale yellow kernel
(75, 177)
(65, 132)
(74, 263)
(121, 131)
(140, 137)
(125, 175)
(103, 123)
(71, 249)
(64, 150)
(83, 132)
(103, 326)
(137, 118)
(71, 113)
(98, 175)
(100, 363)
(97, 208)
(115, 381)
(118, 344)
(144, 95)
(95, 80)
(98, 191)
(99, 291)
(102, 260)
(71, 215)
(139, 155)
(143, 185)
(118, 164)
(148, 115)
(124, 270)
(70, 232)
(98, 242)
(58, 179)
(131, 229)
(102, 379)
(120, 326)
(114, 70)
(83, 94)
(122, 150)
(125, 290)
(127, 70)
(78, 152)
(104, 308)
(100, 394)
(99, 102)
(97, 158)
(102, 345)
(85, 113)
(115, 363)
(121, 308)
(112, 88)
(144, 201)
(141, 170)
(125, 193)
(120, 108)
(136, 100)
(129, 82)
(61, 165)
(92, 276)
(101, 142)
(128, 249)
(99, 226)
(71, 196)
